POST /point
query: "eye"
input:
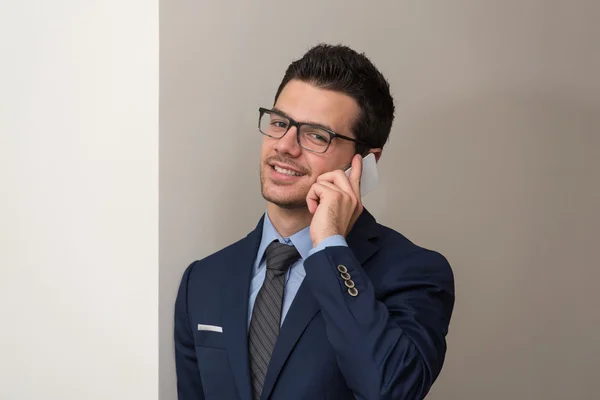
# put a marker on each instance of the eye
(278, 123)
(318, 137)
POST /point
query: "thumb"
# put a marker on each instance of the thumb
(356, 173)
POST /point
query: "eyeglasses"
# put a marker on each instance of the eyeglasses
(311, 137)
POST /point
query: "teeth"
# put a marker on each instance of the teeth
(286, 171)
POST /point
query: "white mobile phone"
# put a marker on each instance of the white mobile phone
(370, 175)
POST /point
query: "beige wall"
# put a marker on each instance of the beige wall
(494, 160)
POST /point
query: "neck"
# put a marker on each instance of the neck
(288, 221)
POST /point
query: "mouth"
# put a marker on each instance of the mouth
(284, 172)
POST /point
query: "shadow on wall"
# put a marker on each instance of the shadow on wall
(240, 202)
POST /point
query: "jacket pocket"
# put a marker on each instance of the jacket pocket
(209, 339)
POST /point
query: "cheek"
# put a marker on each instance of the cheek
(267, 147)
(321, 165)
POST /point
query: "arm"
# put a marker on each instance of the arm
(393, 346)
(189, 384)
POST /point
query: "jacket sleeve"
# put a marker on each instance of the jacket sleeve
(390, 344)
(189, 384)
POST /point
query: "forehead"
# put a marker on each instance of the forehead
(307, 103)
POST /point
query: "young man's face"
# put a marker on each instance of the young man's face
(304, 102)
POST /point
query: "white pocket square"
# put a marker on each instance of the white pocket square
(212, 328)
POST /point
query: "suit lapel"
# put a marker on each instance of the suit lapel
(305, 306)
(235, 308)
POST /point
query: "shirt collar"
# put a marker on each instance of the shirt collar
(301, 239)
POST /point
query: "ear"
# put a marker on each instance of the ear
(377, 153)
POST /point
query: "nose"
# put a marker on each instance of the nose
(288, 144)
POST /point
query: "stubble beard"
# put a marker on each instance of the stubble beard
(285, 203)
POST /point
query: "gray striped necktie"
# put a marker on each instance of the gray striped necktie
(266, 314)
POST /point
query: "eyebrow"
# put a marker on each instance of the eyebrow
(304, 122)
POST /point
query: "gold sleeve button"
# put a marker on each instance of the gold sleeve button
(353, 292)
(345, 276)
(342, 269)
(349, 283)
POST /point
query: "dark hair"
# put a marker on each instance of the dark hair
(342, 69)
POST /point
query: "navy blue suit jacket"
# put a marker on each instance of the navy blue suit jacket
(386, 342)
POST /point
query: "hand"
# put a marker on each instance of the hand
(334, 200)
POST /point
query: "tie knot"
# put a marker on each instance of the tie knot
(280, 256)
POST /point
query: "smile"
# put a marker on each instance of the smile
(284, 171)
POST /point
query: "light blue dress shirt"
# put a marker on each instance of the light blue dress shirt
(295, 275)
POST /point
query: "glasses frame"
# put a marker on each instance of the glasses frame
(332, 135)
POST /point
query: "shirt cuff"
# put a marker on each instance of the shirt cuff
(335, 240)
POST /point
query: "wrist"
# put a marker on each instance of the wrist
(330, 241)
(320, 238)
(335, 239)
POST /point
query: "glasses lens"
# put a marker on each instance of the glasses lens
(273, 125)
(314, 138)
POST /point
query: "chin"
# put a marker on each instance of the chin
(287, 195)
(288, 201)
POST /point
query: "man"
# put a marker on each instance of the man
(319, 301)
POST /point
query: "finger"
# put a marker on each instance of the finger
(335, 194)
(313, 197)
(319, 191)
(312, 200)
(355, 174)
(334, 187)
(311, 203)
(338, 178)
